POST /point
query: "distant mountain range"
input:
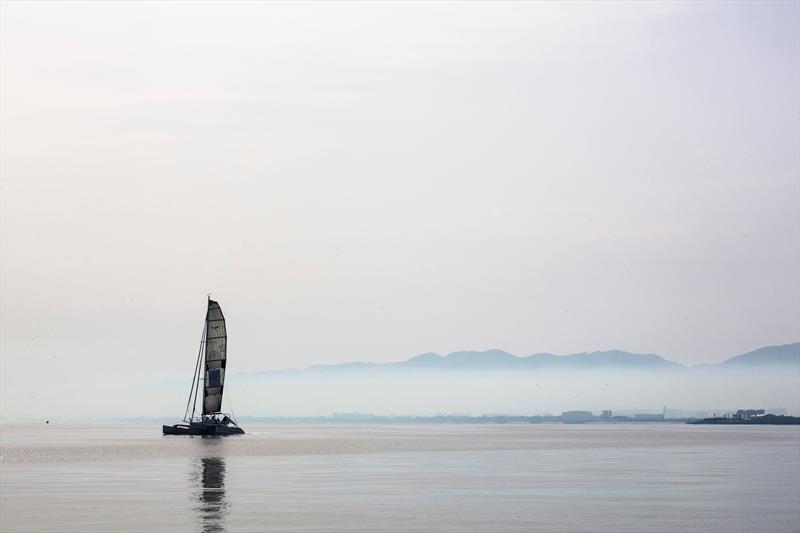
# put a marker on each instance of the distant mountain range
(787, 355)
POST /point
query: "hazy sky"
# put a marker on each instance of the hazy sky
(373, 181)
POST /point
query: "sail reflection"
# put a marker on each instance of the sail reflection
(213, 504)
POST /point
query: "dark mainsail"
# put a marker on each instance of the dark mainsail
(216, 347)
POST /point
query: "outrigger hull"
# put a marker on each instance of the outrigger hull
(202, 429)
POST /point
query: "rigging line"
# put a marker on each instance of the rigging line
(230, 403)
(194, 376)
(200, 369)
(201, 364)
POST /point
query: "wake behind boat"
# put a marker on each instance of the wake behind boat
(210, 369)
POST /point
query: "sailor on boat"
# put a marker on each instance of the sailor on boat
(210, 369)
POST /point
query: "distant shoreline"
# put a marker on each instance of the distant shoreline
(384, 420)
(769, 420)
(567, 418)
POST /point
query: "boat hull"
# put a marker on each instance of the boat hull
(202, 429)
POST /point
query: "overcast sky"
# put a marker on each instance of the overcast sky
(373, 181)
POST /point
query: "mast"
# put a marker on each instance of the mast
(196, 377)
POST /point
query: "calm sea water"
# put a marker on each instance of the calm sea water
(631, 478)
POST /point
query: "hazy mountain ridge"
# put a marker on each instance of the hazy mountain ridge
(496, 359)
(769, 355)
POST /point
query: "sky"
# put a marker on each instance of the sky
(358, 181)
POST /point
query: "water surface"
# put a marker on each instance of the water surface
(629, 478)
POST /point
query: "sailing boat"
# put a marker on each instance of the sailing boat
(211, 359)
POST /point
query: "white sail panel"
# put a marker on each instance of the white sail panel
(216, 348)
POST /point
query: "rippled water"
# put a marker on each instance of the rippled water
(655, 477)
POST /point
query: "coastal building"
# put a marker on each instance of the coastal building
(748, 413)
(576, 417)
(648, 417)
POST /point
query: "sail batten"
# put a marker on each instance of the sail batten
(215, 359)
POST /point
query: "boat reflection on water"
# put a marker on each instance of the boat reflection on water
(213, 504)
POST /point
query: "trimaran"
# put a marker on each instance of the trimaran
(210, 369)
